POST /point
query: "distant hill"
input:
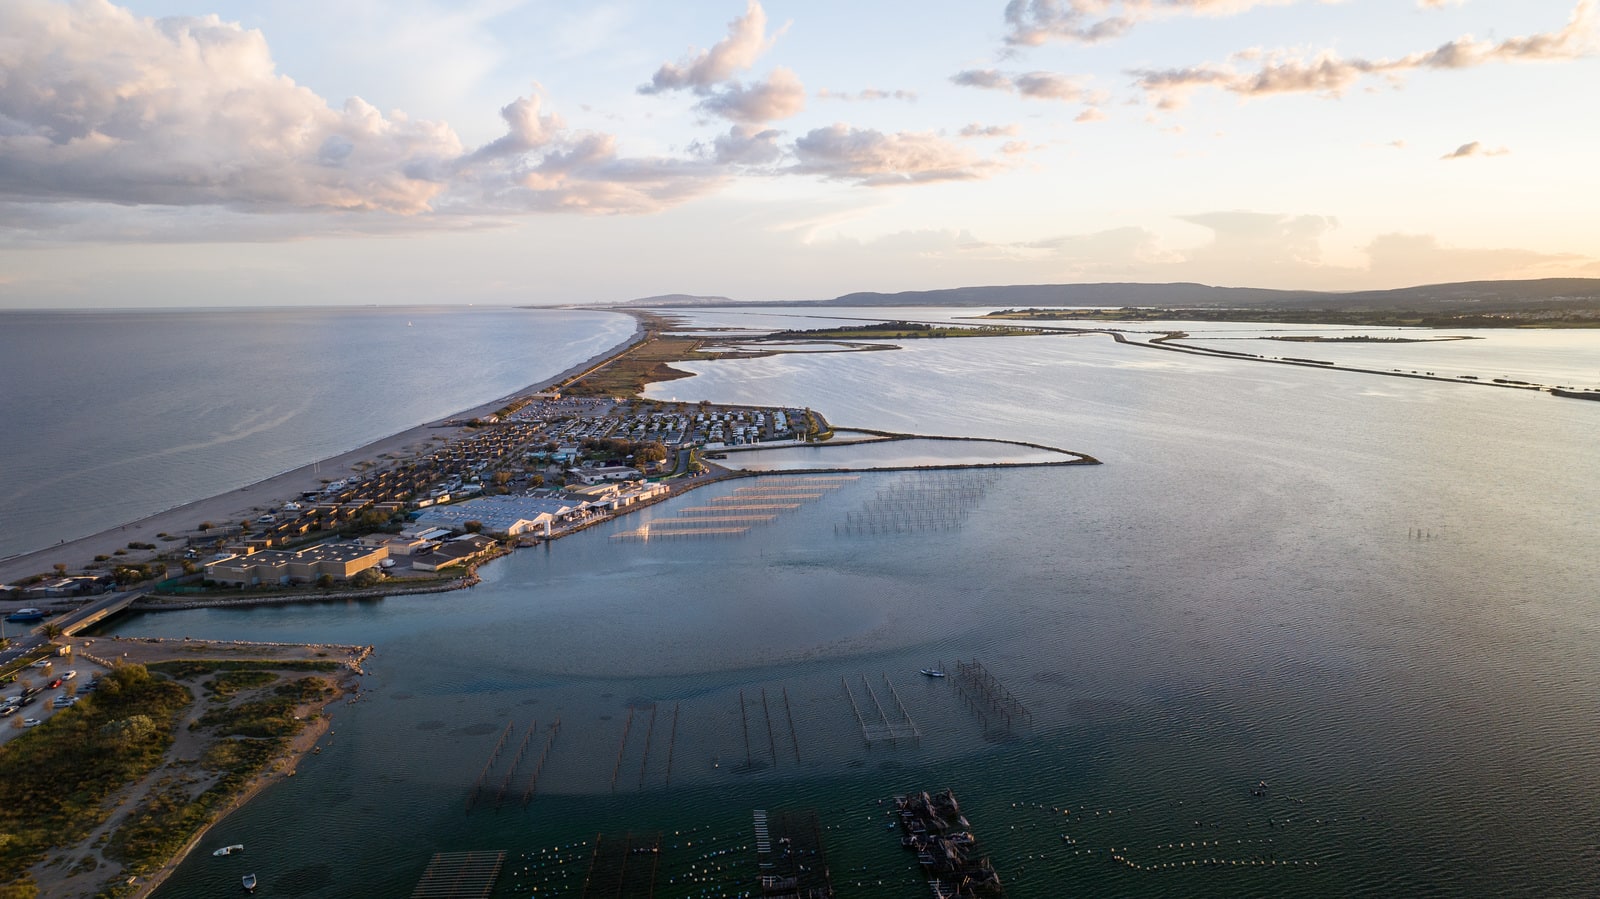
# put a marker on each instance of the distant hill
(1465, 295)
(1114, 294)
(678, 299)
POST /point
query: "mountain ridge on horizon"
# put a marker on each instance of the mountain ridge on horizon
(1484, 295)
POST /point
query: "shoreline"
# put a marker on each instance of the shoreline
(273, 491)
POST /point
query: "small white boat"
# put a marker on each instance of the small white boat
(933, 672)
(229, 850)
(250, 882)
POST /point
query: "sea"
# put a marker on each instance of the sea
(1303, 633)
(114, 415)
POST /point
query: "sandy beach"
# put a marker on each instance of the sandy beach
(250, 501)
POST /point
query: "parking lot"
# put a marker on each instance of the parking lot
(43, 689)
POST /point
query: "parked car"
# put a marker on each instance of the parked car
(69, 675)
(62, 702)
(8, 711)
(55, 683)
(30, 722)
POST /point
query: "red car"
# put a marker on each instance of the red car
(55, 683)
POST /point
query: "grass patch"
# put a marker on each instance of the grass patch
(227, 684)
(188, 669)
(250, 737)
(272, 716)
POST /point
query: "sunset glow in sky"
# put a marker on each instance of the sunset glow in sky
(214, 153)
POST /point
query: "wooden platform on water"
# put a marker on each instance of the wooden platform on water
(460, 875)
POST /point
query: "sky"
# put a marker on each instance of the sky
(214, 153)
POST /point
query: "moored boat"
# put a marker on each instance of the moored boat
(933, 672)
(249, 882)
(229, 850)
(26, 615)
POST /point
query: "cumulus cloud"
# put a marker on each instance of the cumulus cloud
(745, 146)
(100, 106)
(1029, 85)
(1034, 22)
(779, 97)
(1330, 74)
(872, 158)
(710, 74)
(1475, 148)
(701, 71)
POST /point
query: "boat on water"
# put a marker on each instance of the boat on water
(26, 615)
(229, 850)
(249, 882)
(933, 672)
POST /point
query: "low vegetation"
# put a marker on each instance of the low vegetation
(244, 739)
(628, 374)
(54, 781)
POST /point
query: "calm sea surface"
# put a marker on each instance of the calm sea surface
(111, 416)
(1375, 595)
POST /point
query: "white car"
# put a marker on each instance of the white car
(69, 675)
(30, 722)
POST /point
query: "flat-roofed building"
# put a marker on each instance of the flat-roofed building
(341, 561)
(459, 551)
(503, 515)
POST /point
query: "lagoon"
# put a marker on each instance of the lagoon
(1237, 595)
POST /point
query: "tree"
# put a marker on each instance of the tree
(474, 527)
(60, 567)
(654, 451)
